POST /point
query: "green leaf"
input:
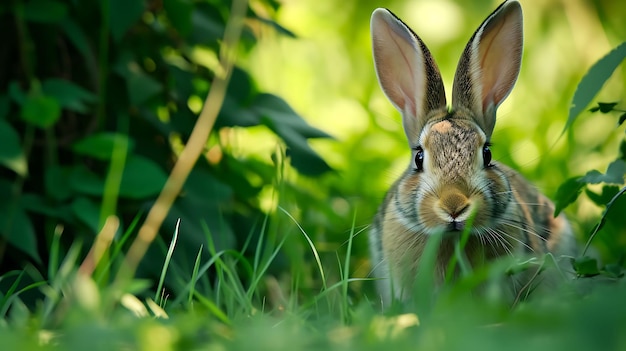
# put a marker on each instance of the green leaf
(606, 107)
(11, 153)
(77, 37)
(608, 192)
(15, 225)
(37, 204)
(142, 178)
(84, 181)
(208, 26)
(201, 182)
(139, 85)
(21, 233)
(586, 266)
(567, 193)
(179, 12)
(56, 182)
(593, 81)
(294, 130)
(5, 104)
(88, 212)
(281, 114)
(68, 94)
(101, 145)
(40, 110)
(45, 11)
(612, 270)
(202, 204)
(235, 110)
(614, 174)
(16, 93)
(622, 118)
(592, 177)
(124, 13)
(280, 29)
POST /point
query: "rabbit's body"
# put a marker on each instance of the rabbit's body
(451, 176)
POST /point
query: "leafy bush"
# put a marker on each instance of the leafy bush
(96, 101)
(609, 195)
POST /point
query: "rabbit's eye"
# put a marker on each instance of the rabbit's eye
(487, 156)
(419, 159)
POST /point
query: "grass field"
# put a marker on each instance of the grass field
(245, 308)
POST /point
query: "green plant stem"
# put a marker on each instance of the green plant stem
(320, 267)
(603, 219)
(346, 273)
(195, 145)
(114, 176)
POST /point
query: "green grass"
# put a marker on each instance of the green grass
(246, 308)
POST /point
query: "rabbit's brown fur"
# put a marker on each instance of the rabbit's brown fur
(451, 175)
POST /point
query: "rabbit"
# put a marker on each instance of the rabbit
(451, 175)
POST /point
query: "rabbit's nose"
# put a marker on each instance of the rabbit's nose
(455, 204)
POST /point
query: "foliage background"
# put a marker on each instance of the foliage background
(97, 99)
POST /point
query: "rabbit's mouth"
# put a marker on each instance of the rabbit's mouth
(456, 226)
(453, 228)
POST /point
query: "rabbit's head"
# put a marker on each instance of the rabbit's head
(451, 174)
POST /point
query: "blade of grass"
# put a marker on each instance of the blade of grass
(116, 250)
(345, 274)
(53, 290)
(425, 278)
(194, 277)
(239, 256)
(212, 307)
(15, 294)
(338, 285)
(202, 271)
(100, 246)
(224, 270)
(459, 254)
(258, 274)
(12, 288)
(602, 219)
(166, 264)
(529, 287)
(259, 245)
(55, 247)
(311, 245)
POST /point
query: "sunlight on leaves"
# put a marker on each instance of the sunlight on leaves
(614, 174)
(593, 81)
(11, 154)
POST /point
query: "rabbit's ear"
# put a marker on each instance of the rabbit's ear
(489, 65)
(406, 71)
